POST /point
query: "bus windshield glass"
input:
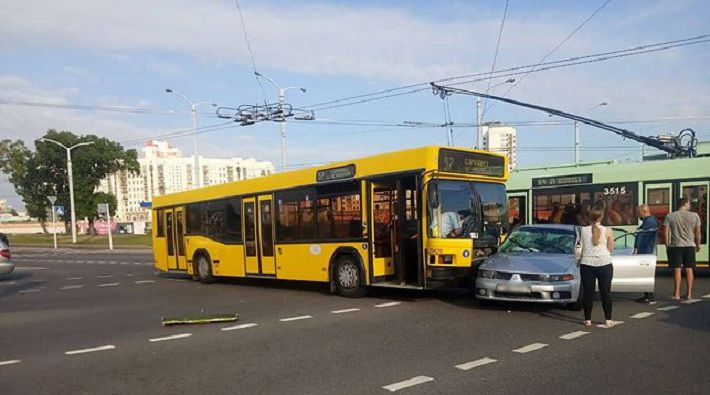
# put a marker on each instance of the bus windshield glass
(468, 209)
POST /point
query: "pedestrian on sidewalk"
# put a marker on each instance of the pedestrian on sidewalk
(682, 234)
(596, 266)
(645, 243)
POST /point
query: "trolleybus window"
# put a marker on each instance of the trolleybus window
(659, 202)
(572, 205)
(516, 211)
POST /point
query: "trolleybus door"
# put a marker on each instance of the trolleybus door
(658, 197)
(251, 256)
(175, 230)
(517, 209)
(267, 263)
(697, 192)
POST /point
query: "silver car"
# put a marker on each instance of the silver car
(536, 263)
(6, 265)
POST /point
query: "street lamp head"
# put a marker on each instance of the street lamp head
(168, 90)
(510, 80)
(303, 90)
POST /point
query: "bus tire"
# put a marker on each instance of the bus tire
(203, 268)
(348, 277)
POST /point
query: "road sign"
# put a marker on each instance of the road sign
(102, 209)
(52, 199)
(59, 210)
(145, 204)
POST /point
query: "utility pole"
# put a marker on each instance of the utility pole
(53, 199)
(479, 131)
(193, 114)
(576, 142)
(71, 181)
(282, 118)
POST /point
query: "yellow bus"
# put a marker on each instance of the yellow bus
(417, 218)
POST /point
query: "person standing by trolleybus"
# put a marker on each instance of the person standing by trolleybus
(596, 266)
(645, 242)
(683, 240)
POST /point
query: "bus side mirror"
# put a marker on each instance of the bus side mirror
(433, 195)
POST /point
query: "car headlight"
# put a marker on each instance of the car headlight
(486, 273)
(561, 277)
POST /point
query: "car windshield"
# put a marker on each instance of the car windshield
(468, 209)
(547, 240)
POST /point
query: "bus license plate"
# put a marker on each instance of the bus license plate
(516, 289)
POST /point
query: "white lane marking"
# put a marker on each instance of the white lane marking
(344, 311)
(530, 347)
(706, 296)
(6, 283)
(389, 304)
(90, 262)
(108, 285)
(690, 301)
(242, 326)
(125, 263)
(101, 262)
(74, 278)
(300, 317)
(112, 262)
(668, 308)
(642, 315)
(10, 362)
(616, 323)
(574, 335)
(31, 290)
(78, 261)
(475, 364)
(72, 287)
(137, 263)
(32, 268)
(105, 276)
(408, 383)
(144, 282)
(130, 274)
(94, 349)
(173, 337)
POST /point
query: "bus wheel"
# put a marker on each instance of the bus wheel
(204, 269)
(348, 278)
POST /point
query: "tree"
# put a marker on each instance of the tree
(43, 172)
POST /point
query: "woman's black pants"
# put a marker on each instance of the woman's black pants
(590, 276)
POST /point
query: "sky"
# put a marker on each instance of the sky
(101, 53)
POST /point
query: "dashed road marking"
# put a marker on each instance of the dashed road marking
(475, 364)
(105, 276)
(706, 296)
(344, 311)
(108, 285)
(642, 315)
(112, 262)
(6, 283)
(668, 308)
(72, 287)
(137, 263)
(388, 304)
(173, 337)
(130, 274)
(74, 278)
(32, 268)
(616, 323)
(408, 383)
(124, 263)
(242, 326)
(101, 262)
(144, 282)
(690, 301)
(90, 262)
(574, 335)
(94, 349)
(10, 362)
(530, 347)
(24, 291)
(300, 317)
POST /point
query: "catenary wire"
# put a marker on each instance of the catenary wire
(495, 56)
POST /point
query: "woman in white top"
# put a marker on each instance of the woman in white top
(595, 265)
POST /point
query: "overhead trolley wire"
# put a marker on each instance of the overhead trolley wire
(495, 56)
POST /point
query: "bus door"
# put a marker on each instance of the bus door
(267, 262)
(383, 228)
(251, 256)
(175, 231)
(697, 192)
(658, 197)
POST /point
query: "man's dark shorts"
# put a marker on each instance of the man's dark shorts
(681, 256)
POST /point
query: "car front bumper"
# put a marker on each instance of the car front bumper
(527, 291)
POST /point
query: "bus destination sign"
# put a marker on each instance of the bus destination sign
(338, 173)
(573, 179)
(476, 163)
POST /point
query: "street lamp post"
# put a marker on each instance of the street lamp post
(71, 181)
(282, 103)
(52, 199)
(193, 114)
(479, 115)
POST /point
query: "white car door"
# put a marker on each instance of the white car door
(632, 273)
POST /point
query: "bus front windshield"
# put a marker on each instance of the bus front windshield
(468, 209)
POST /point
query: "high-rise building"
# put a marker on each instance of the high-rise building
(501, 139)
(164, 170)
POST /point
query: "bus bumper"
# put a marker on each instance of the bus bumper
(446, 277)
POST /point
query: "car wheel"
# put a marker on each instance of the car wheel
(348, 278)
(203, 268)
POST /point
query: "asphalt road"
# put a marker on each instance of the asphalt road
(89, 322)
